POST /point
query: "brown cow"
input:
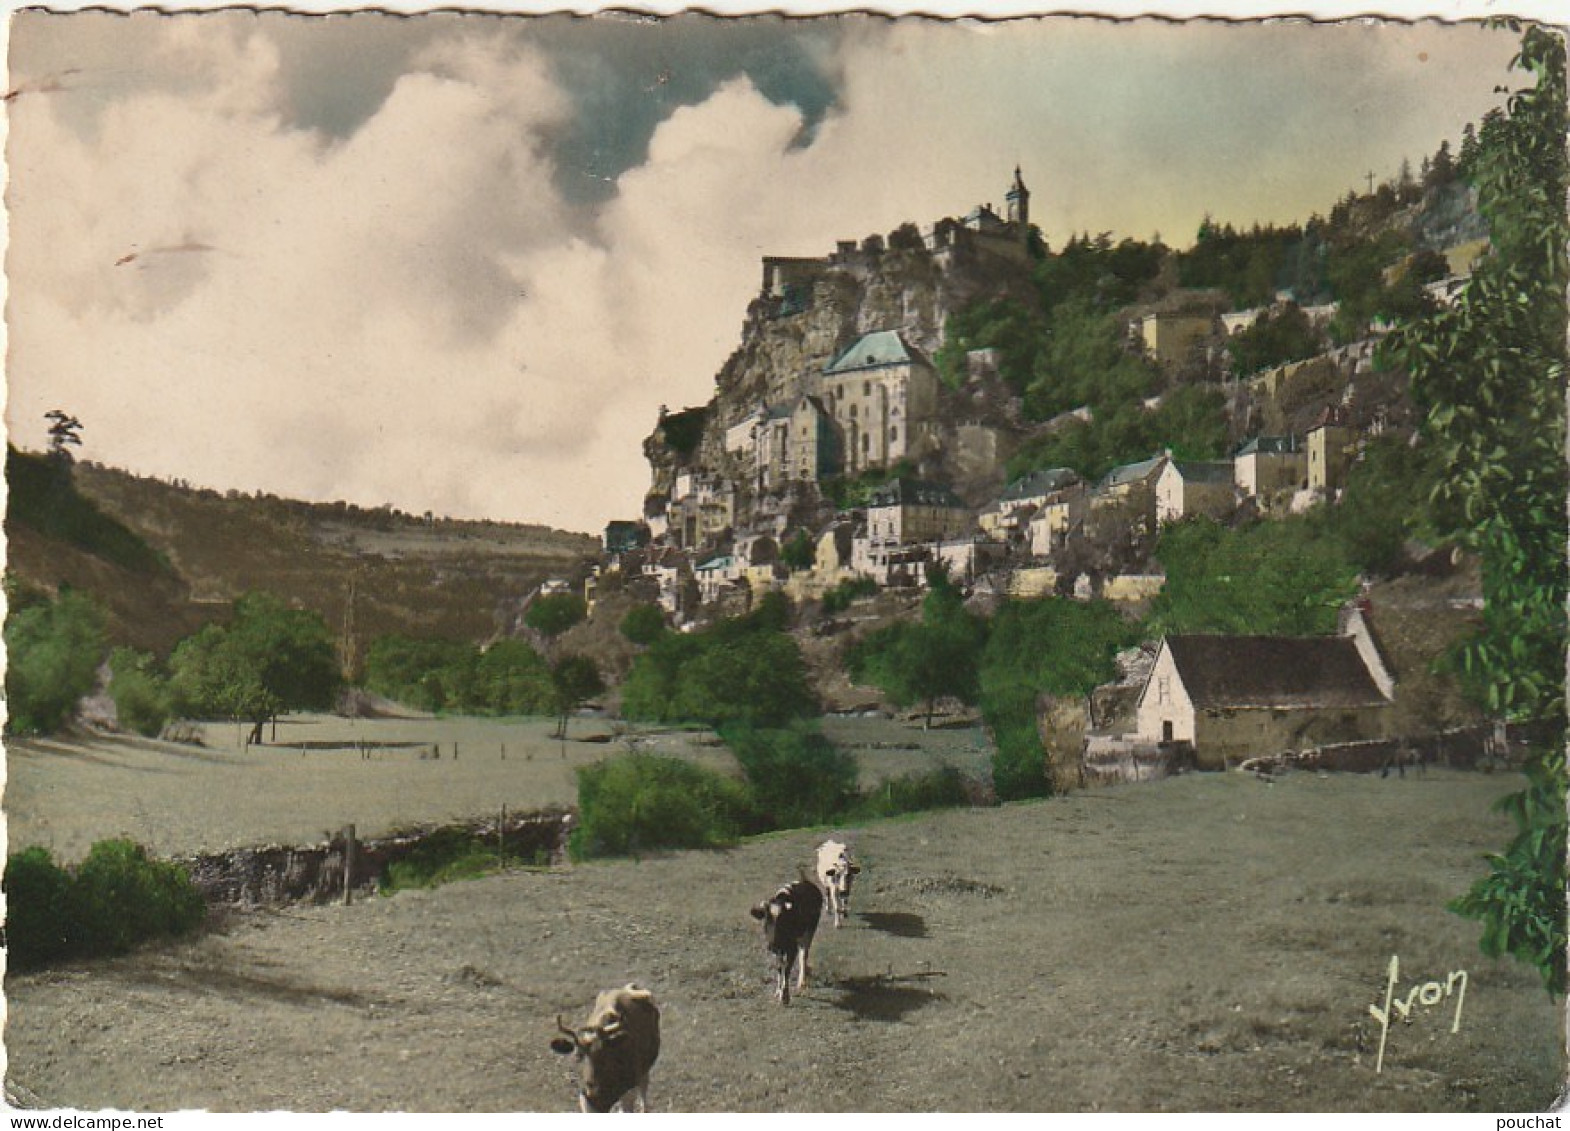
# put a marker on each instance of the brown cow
(616, 1047)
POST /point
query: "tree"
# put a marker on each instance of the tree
(272, 659)
(743, 669)
(65, 433)
(799, 552)
(1273, 578)
(53, 649)
(1274, 338)
(554, 613)
(575, 680)
(1052, 646)
(922, 663)
(643, 624)
(141, 695)
(1490, 372)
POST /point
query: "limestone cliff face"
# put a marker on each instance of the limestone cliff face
(788, 338)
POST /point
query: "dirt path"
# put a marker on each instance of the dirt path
(1204, 943)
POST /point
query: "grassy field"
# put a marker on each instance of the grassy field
(1207, 942)
(65, 794)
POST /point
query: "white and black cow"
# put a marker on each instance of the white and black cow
(616, 1047)
(790, 920)
(836, 871)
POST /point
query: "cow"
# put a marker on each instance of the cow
(790, 920)
(615, 1048)
(836, 870)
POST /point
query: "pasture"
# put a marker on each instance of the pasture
(1208, 942)
(64, 794)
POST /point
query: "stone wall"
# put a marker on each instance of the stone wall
(249, 877)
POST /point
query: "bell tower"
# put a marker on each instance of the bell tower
(1019, 204)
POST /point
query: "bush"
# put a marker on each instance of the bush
(53, 651)
(943, 788)
(838, 599)
(447, 855)
(115, 899)
(120, 898)
(798, 777)
(637, 802)
(142, 698)
(36, 891)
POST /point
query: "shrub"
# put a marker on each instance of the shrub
(142, 698)
(838, 599)
(115, 899)
(36, 890)
(943, 788)
(798, 777)
(637, 802)
(447, 855)
(119, 898)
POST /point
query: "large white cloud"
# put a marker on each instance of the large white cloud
(414, 314)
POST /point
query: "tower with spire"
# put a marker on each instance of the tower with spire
(1019, 205)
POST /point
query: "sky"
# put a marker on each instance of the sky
(456, 263)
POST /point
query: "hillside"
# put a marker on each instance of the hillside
(200, 549)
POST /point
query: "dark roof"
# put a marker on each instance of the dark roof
(1270, 445)
(914, 492)
(1042, 482)
(1204, 471)
(1273, 671)
(1131, 472)
(872, 351)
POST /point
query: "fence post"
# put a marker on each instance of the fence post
(501, 839)
(348, 864)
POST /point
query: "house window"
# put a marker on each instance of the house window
(1164, 689)
(866, 388)
(1166, 730)
(893, 435)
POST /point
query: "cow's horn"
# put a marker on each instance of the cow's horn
(562, 1025)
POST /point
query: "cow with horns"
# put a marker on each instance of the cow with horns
(615, 1048)
(836, 870)
(790, 920)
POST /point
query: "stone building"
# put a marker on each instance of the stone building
(882, 397)
(905, 510)
(1267, 465)
(1172, 339)
(1235, 697)
(1187, 487)
(1331, 448)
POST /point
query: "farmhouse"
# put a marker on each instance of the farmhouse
(1233, 697)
